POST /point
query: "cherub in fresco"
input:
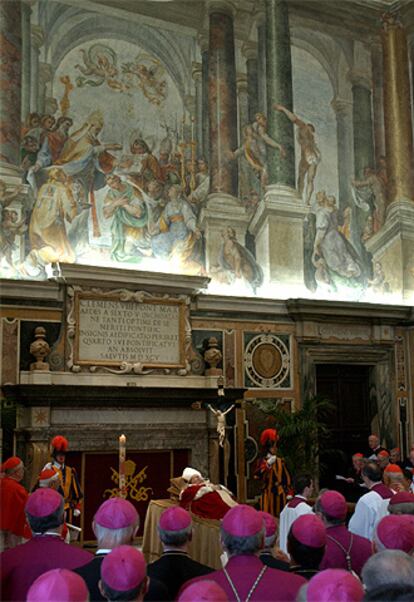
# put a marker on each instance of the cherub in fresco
(373, 184)
(100, 62)
(310, 153)
(149, 72)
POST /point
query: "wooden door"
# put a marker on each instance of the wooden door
(347, 387)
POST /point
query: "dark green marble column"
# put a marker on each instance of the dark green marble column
(363, 132)
(279, 90)
(261, 65)
(222, 101)
(250, 53)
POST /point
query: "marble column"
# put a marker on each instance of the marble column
(378, 101)
(37, 39)
(26, 50)
(279, 219)
(243, 113)
(10, 88)
(345, 146)
(197, 78)
(249, 51)
(362, 121)
(393, 245)
(397, 106)
(203, 42)
(11, 21)
(222, 97)
(223, 207)
(261, 62)
(279, 90)
(45, 76)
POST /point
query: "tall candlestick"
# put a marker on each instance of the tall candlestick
(122, 456)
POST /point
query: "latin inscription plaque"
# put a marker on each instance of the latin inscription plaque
(112, 331)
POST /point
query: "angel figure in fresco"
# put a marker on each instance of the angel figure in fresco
(221, 422)
(130, 237)
(338, 255)
(149, 73)
(310, 154)
(100, 63)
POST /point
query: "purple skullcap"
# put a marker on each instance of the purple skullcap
(203, 591)
(43, 502)
(309, 530)
(124, 568)
(58, 584)
(334, 585)
(270, 523)
(333, 504)
(396, 532)
(242, 521)
(175, 519)
(116, 513)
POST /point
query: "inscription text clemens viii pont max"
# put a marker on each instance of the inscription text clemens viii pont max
(114, 331)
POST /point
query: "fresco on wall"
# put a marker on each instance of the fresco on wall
(116, 176)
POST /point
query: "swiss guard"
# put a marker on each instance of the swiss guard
(69, 482)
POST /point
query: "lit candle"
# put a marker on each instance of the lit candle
(122, 455)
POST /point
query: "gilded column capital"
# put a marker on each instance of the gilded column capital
(249, 50)
(37, 36)
(228, 7)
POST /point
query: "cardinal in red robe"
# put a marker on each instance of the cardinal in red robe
(13, 497)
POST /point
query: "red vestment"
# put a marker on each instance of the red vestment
(13, 498)
(208, 504)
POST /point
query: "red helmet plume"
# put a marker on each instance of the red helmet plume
(268, 436)
(60, 444)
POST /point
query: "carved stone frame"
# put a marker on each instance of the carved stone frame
(75, 364)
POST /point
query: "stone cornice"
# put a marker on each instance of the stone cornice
(338, 311)
(114, 278)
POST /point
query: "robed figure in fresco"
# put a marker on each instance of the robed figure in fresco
(47, 230)
(130, 237)
(176, 235)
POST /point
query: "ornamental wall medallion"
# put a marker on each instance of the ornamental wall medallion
(267, 361)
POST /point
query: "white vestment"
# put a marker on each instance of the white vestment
(287, 517)
(369, 507)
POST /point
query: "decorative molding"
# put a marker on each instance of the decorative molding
(344, 332)
(143, 367)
